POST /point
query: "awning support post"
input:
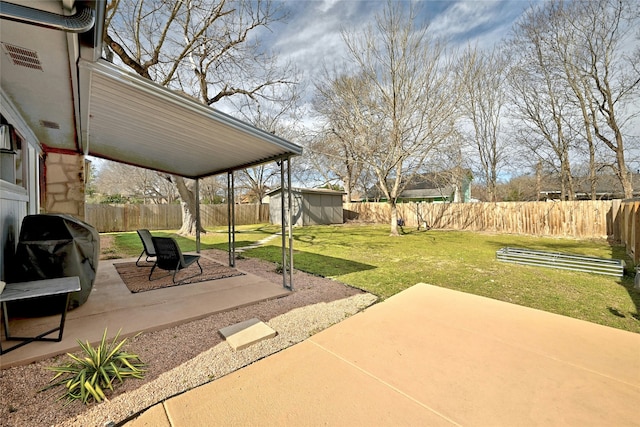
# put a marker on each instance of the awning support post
(198, 223)
(231, 220)
(285, 221)
(290, 222)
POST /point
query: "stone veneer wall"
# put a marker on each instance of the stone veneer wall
(64, 184)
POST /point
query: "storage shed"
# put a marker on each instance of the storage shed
(310, 206)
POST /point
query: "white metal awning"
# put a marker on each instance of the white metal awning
(74, 101)
(55, 88)
(129, 119)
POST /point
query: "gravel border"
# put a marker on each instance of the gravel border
(184, 356)
(293, 327)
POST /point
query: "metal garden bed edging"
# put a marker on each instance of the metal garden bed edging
(563, 261)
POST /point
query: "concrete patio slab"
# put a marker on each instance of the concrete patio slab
(111, 305)
(433, 356)
(481, 361)
(243, 334)
(154, 417)
(303, 385)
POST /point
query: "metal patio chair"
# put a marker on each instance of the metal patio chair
(147, 246)
(169, 257)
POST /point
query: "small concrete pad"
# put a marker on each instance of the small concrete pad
(243, 334)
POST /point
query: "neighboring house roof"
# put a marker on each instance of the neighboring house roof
(429, 193)
(75, 101)
(325, 191)
(433, 185)
(607, 186)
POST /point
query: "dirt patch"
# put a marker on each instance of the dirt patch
(108, 248)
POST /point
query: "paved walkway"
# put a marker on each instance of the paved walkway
(430, 356)
(259, 243)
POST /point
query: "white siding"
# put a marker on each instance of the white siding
(17, 201)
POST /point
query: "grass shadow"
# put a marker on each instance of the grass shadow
(319, 265)
(627, 282)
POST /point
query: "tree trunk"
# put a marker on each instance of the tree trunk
(188, 204)
(538, 180)
(394, 218)
(623, 172)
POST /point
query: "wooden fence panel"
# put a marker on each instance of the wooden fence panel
(577, 219)
(245, 214)
(116, 218)
(630, 228)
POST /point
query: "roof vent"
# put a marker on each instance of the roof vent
(50, 125)
(23, 57)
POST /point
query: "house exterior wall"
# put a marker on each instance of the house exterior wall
(19, 183)
(64, 184)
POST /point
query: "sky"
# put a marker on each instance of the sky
(311, 36)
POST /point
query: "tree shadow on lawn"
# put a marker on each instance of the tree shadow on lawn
(634, 294)
(312, 263)
(627, 282)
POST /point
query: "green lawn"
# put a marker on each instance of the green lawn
(366, 257)
(128, 244)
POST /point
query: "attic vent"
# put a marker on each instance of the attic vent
(23, 57)
(50, 125)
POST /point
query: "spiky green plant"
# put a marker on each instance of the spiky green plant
(86, 377)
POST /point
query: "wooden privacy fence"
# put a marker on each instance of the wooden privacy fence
(116, 218)
(584, 219)
(617, 220)
(628, 226)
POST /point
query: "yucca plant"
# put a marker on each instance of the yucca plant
(86, 377)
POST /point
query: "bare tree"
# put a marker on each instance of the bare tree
(603, 29)
(134, 182)
(342, 107)
(538, 92)
(213, 189)
(279, 116)
(482, 76)
(408, 102)
(578, 71)
(201, 47)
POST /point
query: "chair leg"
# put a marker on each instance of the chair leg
(176, 272)
(151, 272)
(142, 253)
(178, 269)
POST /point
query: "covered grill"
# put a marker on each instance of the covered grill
(52, 246)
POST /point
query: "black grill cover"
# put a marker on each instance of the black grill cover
(52, 246)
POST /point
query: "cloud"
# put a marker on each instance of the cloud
(312, 35)
(311, 38)
(485, 22)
